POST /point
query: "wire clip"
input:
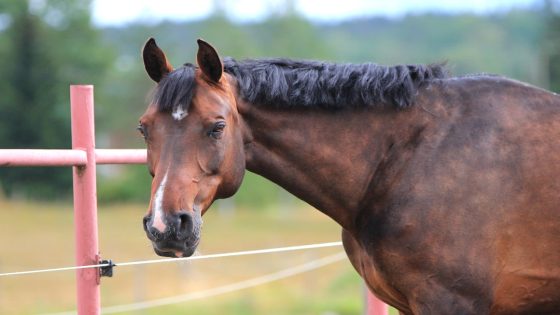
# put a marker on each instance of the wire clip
(106, 271)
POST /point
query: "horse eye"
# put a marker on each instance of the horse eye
(217, 130)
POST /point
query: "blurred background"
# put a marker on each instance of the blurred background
(46, 45)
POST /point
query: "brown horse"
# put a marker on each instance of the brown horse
(447, 189)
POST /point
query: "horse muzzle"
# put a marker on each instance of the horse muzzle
(179, 236)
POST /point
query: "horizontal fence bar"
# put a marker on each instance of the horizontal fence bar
(45, 157)
(120, 156)
(69, 157)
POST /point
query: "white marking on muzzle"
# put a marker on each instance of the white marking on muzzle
(179, 113)
(157, 220)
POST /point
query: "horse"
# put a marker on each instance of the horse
(446, 188)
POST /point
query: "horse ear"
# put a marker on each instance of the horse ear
(155, 62)
(209, 61)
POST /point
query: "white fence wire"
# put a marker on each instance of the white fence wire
(167, 260)
(264, 279)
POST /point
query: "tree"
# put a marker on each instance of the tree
(551, 44)
(45, 47)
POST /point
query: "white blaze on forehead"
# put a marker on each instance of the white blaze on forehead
(179, 113)
(157, 211)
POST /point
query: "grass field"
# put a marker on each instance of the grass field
(38, 235)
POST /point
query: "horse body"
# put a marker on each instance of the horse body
(457, 209)
(450, 206)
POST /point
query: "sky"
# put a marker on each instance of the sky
(118, 12)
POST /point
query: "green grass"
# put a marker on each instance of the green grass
(40, 235)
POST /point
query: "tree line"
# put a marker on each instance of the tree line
(47, 45)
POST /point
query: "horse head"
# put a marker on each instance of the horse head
(195, 146)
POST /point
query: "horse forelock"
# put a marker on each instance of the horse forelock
(175, 91)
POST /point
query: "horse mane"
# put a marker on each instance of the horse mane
(290, 83)
(285, 83)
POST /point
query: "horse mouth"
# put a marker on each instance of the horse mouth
(175, 250)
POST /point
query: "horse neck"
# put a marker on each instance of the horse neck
(326, 158)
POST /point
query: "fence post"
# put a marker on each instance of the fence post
(85, 200)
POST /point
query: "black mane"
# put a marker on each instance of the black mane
(286, 83)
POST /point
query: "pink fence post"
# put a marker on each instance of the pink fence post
(374, 305)
(85, 200)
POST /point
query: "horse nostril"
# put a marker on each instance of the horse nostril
(185, 223)
(145, 222)
(153, 233)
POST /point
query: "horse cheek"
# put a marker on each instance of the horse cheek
(233, 171)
